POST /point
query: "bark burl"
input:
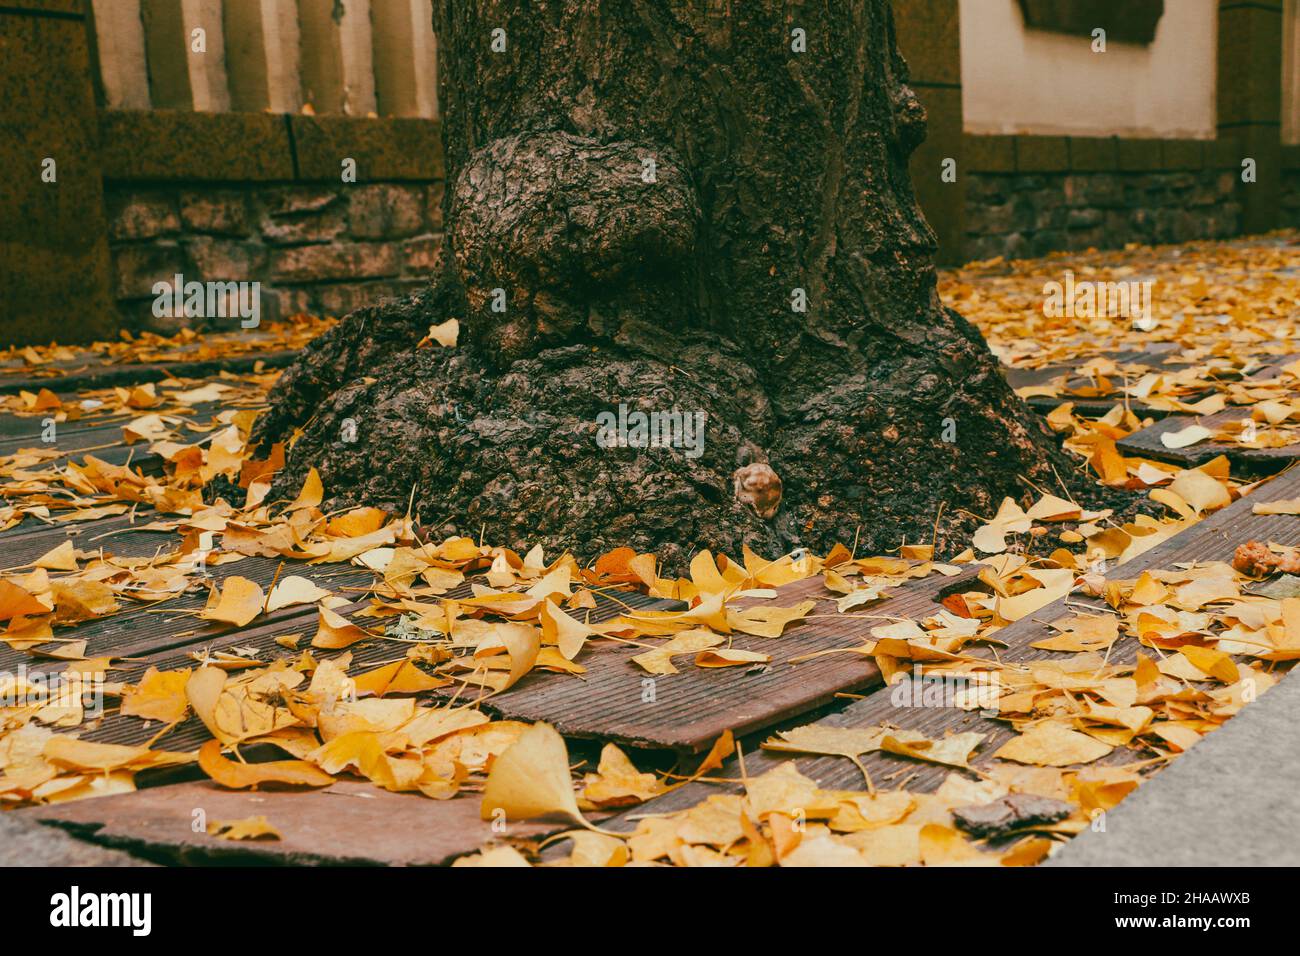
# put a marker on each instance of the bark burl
(654, 187)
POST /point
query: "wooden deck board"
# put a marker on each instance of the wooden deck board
(1213, 539)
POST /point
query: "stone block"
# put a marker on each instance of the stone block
(137, 267)
(385, 211)
(336, 261)
(219, 212)
(226, 260)
(141, 215)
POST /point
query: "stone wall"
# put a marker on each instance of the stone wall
(316, 248)
(1020, 215)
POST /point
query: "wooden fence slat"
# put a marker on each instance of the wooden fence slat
(119, 39)
(180, 76)
(337, 63)
(405, 57)
(262, 55)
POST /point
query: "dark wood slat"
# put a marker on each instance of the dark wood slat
(365, 655)
(1213, 539)
(25, 431)
(98, 375)
(1158, 357)
(351, 823)
(1147, 444)
(691, 708)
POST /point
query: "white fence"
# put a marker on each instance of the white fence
(349, 57)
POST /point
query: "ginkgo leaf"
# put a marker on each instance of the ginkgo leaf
(444, 333)
(1213, 662)
(1085, 632)
(1010, 519)
(240, 776)
(596, 849)
(311, 494)
(567, 633)
(531, 779)
(62, 558)
(767, 621)
(617, 782)
(729, 657)
(1286, 506)
(1051, 744)
(1052, 508)
(953, 751)
(335, 632)
(659, 660)
(239, 601)
(82, 600)
(1201, 491)
(249, 828)
(399, 677)
(850, 742)
(160, 695)
(16, 601)
(204, 691)
(294, 590)
(1185, 437)
(495, 857)
(520, 642)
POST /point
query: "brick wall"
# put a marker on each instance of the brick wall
(1019, 215)
(321, 249)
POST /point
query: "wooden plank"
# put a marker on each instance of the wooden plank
(1147, 443)
(351, 823)
(139, 630)
(119, 44)
(1214, 539)
(337, 62)
(617, 700)
(97, 374)
(405, 58)
(261, 638)
(1157, 357)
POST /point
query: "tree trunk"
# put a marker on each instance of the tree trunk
(677, 206)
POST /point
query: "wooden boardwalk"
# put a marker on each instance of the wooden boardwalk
(689, 710)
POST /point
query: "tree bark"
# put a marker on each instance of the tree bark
(689, 205)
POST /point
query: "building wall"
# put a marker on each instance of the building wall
(1031, 214)
(259, 197)
(1018, 80)
(319, 249)
(1291, 72)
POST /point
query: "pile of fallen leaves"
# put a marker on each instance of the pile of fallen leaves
(467, 620)
(1219, 334)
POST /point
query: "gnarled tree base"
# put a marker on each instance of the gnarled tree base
(513, 454)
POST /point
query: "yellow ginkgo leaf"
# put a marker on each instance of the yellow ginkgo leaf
(160, 695)
(564, 631)
(335, 632)
(766, 621)
(238, 776)
(531, 779)
(1051, 744)
(294, 590)
(311, 494)
(238, 602)
(249, 828)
